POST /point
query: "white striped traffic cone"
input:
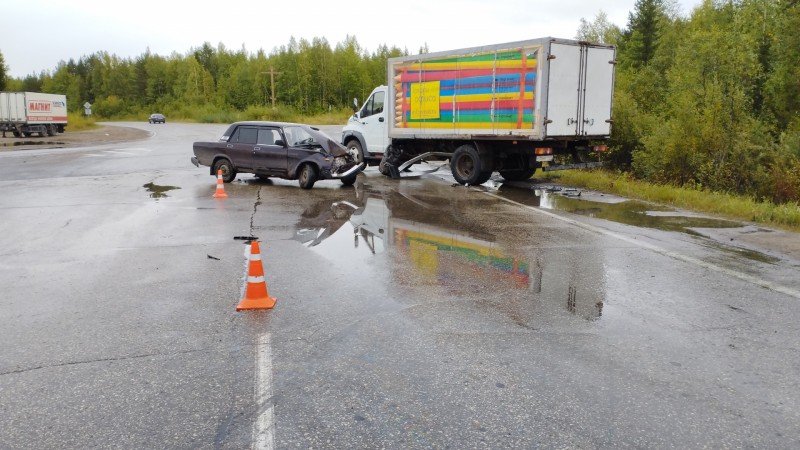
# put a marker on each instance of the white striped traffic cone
(256, 295)
(220, 192)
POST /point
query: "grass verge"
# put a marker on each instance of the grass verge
(79, 122)
(784, 216)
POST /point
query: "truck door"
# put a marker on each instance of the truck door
(562, 89)
(373, 119)
(599, 91)
(580, 90)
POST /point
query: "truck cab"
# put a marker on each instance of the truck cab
(366, 132)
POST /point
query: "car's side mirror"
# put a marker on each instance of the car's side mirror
(280, 143)
(355, 105)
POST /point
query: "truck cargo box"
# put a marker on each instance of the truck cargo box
(536, 89)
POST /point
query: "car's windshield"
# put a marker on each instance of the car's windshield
(299, 136)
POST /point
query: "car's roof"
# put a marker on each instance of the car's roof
(272, 124)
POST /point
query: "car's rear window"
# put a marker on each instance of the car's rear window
(245, 135)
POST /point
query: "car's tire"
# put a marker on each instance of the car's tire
(307, 176)
(350, 180)
(354, 148)
(467, 167)
(228, 171)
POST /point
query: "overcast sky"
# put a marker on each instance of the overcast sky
(36, 34)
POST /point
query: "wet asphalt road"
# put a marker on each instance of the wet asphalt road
(411, 314)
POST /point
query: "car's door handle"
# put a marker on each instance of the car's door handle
(229, 146)
(380, 119)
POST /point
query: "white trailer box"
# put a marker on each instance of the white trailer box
(26, 113)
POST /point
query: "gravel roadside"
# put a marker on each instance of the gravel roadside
(104, 134)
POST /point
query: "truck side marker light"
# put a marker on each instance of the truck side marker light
(256, 295)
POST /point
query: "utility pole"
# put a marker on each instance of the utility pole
(272, 74)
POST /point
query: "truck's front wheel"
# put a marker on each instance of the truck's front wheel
(467, 167)
(354, 147)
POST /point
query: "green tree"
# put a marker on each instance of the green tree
(600, 30)
(3, 72)
(640, 40)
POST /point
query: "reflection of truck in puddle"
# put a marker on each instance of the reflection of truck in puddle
(438, 250)
(436, 254)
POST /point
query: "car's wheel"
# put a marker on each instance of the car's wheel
(467, 167)
(354, 147)
(228, 171)
(350, 180)
(517, 175)
(307, 176)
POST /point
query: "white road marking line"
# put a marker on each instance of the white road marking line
(264, 425)
(680, 257)
(117, 152)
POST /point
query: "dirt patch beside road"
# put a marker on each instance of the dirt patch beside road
(105, 134)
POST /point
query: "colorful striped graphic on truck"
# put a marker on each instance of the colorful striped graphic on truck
(492, 90)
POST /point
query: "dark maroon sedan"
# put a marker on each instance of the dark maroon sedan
(277, 149)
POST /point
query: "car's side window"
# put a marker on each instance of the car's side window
(267, 136)
(245, 135)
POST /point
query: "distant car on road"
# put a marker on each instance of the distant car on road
(157, 118)
(290, 151)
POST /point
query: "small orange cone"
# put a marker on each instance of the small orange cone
(256, 295)
(220, 192)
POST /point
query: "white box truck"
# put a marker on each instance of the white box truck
(28, 113)
(504, 107)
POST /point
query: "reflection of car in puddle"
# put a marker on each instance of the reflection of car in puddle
(435, 247)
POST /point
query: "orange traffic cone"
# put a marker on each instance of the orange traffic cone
(256, 295)
(220, 192)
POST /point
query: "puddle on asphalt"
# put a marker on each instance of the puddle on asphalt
(157, 191)
(433, 246)
(629, 212)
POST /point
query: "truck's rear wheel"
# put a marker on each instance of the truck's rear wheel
(467, 167)
(517, 175)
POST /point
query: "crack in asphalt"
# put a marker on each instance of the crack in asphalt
(91, 361)
(255, 210)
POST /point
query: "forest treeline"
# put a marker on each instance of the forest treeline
(710, 101)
